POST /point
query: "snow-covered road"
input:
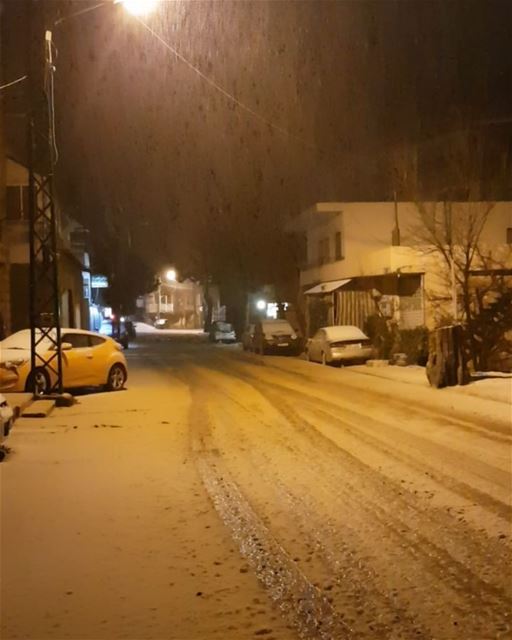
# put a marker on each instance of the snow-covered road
(230, 496)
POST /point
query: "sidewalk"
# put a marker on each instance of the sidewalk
(487, 400)
(107, 532)
(494, 386)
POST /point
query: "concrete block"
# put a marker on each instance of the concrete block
(39, 409)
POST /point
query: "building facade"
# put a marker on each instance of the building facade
(178, 304)
(360, 259)
(73, 260)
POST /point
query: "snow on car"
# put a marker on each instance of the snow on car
(339, 344)
(88, 359)
(275, 336)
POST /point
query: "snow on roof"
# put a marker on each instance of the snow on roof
(276, 325)
(327, 287)
(344, 332)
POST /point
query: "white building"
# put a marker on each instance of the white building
(359, 258)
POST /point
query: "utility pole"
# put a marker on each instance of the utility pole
(44, 303)
(159, 298)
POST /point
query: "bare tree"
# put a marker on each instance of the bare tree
(449, 230)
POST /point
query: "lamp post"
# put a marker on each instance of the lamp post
(44, 292)
(158, 297)
(170, 276)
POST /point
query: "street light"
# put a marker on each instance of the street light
(138, 7)
(171, 275)
(44, 292)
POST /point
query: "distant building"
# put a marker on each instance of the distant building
(73, 262)
(360, 258)
(179, 304)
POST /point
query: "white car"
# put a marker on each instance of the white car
(222, 332)
(6, 416)
(339, 344)
(275, 336)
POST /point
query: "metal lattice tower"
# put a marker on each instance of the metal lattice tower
(46, 364)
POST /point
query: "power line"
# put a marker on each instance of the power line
(221, 89)
(9, 84)
(79, 13)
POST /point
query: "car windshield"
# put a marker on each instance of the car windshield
(225, 327)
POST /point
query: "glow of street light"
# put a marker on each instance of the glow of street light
(261, 305)
(171, 275)
(139, 7)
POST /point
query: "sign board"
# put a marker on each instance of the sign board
(99, 282)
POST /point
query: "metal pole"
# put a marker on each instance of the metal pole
(159, 294)
(44, 299)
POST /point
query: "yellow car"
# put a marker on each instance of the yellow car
(88, 359)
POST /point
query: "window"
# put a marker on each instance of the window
(16, 203)
(509, 235)
(96, 341)
(323, 251)
(77, 340)
(338, 246)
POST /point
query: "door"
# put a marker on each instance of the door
(76, 362)
(101, 350)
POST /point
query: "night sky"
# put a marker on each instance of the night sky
(152, 155)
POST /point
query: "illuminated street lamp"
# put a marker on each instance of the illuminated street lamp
(138, 7)
(170, 275)
(261, 305)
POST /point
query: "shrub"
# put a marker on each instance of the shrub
(414, 343)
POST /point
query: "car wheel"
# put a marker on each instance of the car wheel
(116, 378)
(38, 382)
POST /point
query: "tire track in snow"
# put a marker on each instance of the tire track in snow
(472, 494)
(447, 569)
(492, 603)
(496, 431)
(304, 605)
(369, 609)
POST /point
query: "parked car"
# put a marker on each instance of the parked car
(6, 416)
(248, 337)
(339, 344)
(88, 359)
(161, 323)
(116, 330)
(222, 332)
(275, 336)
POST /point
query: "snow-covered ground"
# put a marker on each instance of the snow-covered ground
(226, 495)
(145, 329)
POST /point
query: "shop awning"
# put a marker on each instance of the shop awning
(326, 287)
